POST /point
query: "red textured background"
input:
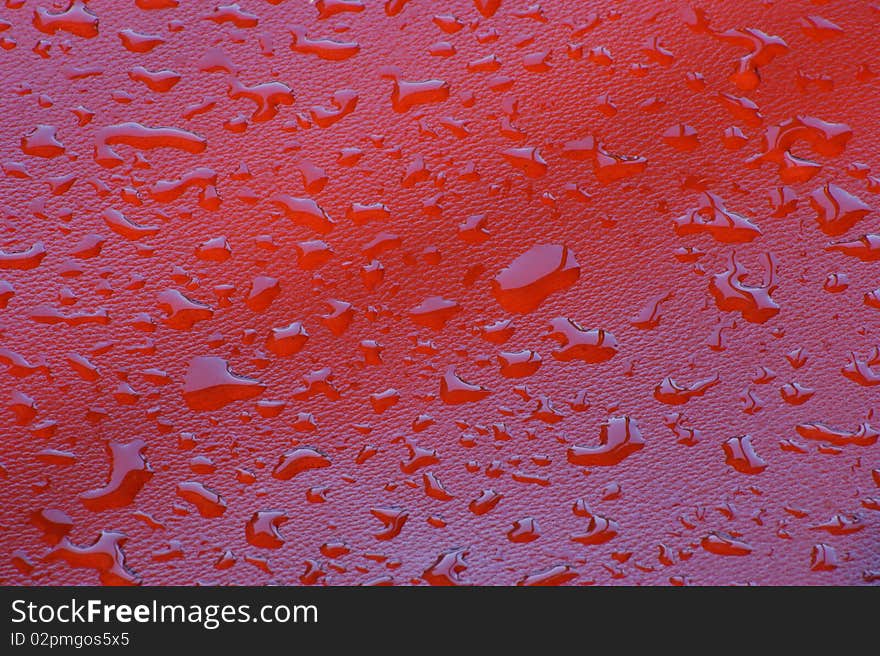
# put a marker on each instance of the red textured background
(673, 511)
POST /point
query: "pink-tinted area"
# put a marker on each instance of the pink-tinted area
(456, 292)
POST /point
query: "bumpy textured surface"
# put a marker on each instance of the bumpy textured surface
(472, 291)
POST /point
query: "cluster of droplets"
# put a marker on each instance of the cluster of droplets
(293, 306)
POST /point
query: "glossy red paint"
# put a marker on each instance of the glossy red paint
(460, 292)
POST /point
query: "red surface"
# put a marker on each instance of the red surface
(511, 292)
